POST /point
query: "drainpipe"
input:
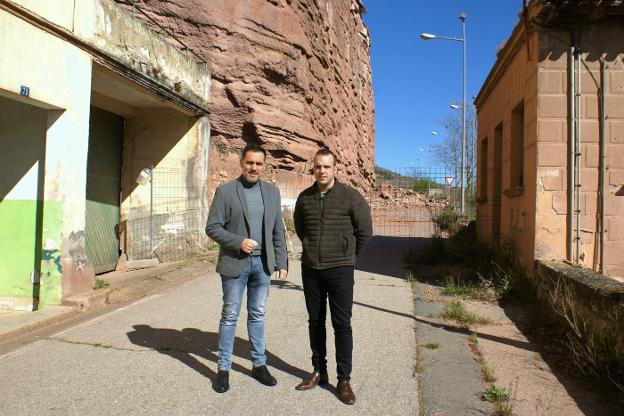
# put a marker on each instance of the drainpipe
(571, 118)
(601, 161)
(578, 153)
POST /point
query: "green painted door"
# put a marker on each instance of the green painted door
(103, 189)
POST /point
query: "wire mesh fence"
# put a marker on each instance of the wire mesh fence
(170, 222)
(407, 200)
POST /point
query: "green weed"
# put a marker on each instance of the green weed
(500, 398)
(413, 277)
(100, 284)
(433, 345)
(454, 287)
(495, 394)
(455, 311)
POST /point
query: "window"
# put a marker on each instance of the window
(517, 146)
(483, 170)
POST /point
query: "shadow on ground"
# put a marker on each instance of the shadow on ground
(593, 397)
(189, 342)
(384, 255)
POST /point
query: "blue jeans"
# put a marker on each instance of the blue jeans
(257, 279)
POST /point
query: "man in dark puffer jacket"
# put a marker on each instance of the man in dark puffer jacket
(334, 224)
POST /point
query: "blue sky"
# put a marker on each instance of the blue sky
(415, 81)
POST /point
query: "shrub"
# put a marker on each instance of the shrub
(447, 220)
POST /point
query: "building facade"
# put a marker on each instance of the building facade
(89, 97)
(551, 137)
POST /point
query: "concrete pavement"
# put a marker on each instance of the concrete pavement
(158, 356)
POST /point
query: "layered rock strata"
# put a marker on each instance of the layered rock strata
(292, 75)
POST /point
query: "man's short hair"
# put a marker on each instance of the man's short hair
(252, 147)
(324, 151)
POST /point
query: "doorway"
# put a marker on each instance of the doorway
(106, 133)
(22, 168)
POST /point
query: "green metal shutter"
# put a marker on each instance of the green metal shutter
(103, 189)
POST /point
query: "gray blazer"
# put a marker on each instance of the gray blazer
(228, 226)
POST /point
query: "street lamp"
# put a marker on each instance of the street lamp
(147, 175)
(428, 36)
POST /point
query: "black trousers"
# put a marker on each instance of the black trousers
(336, 284)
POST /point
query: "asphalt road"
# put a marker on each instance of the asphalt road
(157, 356)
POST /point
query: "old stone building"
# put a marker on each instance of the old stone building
(89, 97)
(551, 137)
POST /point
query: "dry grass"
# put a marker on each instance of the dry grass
(455, 311)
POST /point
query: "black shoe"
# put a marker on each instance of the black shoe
(263, 376)
(222, 383)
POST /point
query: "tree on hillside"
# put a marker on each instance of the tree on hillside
(448, 151)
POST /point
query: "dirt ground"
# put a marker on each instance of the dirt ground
(537, 377)
(533, 370)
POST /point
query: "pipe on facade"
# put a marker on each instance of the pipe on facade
(577, 150)
(601, 161)
(571, 141)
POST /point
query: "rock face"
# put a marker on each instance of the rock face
(292, 75)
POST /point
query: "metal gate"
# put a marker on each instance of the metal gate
(103, 189)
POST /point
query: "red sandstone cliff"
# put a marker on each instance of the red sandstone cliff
(290, 74)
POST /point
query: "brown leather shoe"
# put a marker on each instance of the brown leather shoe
(345, 394)
(312, 381)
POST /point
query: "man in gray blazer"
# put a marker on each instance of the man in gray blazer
(245, 219)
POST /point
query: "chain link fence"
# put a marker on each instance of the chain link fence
(407, 200)
(172, 227)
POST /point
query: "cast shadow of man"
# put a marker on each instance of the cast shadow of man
(189, 343)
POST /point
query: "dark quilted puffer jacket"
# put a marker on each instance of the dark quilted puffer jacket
(333, 230)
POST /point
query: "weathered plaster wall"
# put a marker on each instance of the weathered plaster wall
(67, 102)
(22, 134)
(180, 160)
(605, 40)
(57, 66)
(113, 30)
(516, 84)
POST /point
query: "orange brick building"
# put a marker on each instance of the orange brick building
(550, 145)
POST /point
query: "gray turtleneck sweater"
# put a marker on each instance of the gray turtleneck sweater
(255, 206)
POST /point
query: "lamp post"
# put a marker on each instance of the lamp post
(428, 36)
(147, 175)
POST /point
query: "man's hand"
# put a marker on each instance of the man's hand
(281, 274)
(248, 246)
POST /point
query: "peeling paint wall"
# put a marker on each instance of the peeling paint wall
(115, 31)
(58, 74)
(180, 160)
(23, 130)
(66, 102)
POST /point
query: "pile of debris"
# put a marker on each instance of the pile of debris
(393, 196)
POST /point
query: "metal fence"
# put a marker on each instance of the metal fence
(172, 227)
(169, 223)
(407, 200)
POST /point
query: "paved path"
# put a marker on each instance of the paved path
(157, 357)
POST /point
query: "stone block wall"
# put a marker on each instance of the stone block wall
(513, 217)
(604, 40)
